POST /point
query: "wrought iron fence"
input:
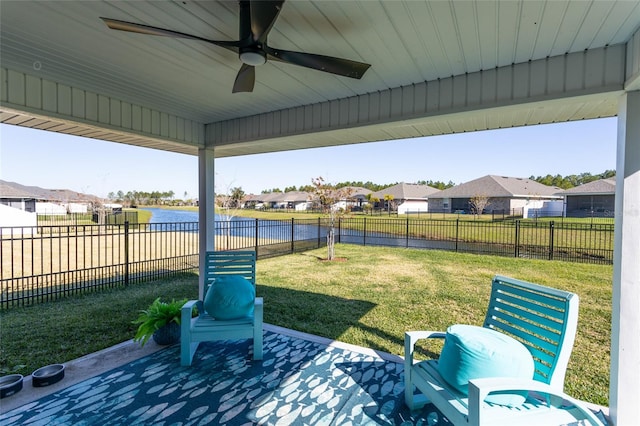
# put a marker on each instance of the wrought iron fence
(47, 262)
(576, 242)
(44, 263)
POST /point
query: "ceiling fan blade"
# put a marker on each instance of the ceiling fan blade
(339, 66)
(132, 27)
(245, 80)
(263, 16)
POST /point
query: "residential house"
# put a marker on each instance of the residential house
(503, 194)
(20, 204)
(406, 197)
(593, 199)
(356, 199)
(298, 200)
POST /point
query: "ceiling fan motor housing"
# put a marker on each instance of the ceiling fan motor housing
(253, 56)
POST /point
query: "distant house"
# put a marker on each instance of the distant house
(504, 194)
(22, 203)
(298, 200)
(407, 197)
(593, 199)
(356, 199)
(20, 197)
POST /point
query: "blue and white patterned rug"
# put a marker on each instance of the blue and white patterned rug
(298, 383)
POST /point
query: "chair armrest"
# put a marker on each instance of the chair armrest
(187, 309)
(412, 337)
(480, 388)
(412, 400)
(258, 308)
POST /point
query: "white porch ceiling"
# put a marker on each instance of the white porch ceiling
(437, 67)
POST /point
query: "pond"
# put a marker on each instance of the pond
(240, 226)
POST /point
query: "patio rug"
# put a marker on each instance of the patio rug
(298, 383)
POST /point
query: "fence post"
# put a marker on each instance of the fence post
(256, 242)
(292, 234)
(364, 232)
(517, 241)
(457, 231)
(126, 252)
(339, 230)
(407, 237)
(551, 234)
(318, 231)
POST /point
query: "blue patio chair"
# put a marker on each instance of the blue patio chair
(544, 320)
(222, 265)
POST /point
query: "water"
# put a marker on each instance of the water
(242, 226)
(171, 216)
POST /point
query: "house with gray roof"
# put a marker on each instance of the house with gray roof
(20, 204)
(503, 193)
(593, 199)
(407, 197)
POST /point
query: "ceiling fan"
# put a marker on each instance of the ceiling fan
(256, 20)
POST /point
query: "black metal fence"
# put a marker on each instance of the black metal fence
(47, 262)
(575, 242)
(44, 263)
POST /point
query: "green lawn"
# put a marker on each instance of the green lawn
(369, 297)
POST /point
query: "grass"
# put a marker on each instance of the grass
(369, 298)
(60, 331)
(377, 293)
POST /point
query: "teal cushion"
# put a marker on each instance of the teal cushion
(230, 297)
(471, 352)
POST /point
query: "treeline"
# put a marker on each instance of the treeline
(368, 185)
(134, 198)
(566, 182)
(168, 197)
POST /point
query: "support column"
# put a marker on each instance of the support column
(206, 209)
(625, 320)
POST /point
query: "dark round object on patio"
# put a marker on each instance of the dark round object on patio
(47, 375)
(10, 384)
(168, 334)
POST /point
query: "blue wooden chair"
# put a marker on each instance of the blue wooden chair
(545, 321)
(204, 328)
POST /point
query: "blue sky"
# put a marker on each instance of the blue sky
(57, 161)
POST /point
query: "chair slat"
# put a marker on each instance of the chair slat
(499, 309)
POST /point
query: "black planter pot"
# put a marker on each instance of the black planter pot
(168, 334)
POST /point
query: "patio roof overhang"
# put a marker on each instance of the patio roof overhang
(437, 68)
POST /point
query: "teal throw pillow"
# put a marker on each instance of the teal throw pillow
(230, 297)
(472, 352)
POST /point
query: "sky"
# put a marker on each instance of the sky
(57, 161)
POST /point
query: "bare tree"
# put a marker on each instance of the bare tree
(229, 203)
(328, 196)
(478, 203)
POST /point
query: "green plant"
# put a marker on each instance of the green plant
(156, 316)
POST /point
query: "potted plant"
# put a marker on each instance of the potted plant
(161, 320)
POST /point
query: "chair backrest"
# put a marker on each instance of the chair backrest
(542, 318)
(220, 263)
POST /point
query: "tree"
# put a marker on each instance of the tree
(236, 197)
(388, 198)
(478, 203)
(371, 202)
(327, 196)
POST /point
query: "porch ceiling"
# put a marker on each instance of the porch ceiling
(437, 67)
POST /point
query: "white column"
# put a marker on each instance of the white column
(206, 208)
(625, 321)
